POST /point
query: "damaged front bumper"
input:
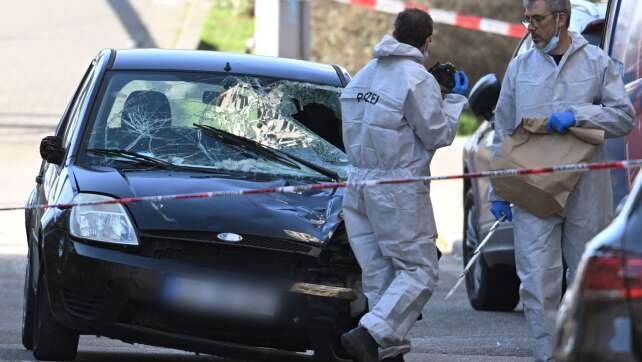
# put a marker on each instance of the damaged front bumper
(326, 291)
(118, 294)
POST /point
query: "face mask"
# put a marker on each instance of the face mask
(555, 40)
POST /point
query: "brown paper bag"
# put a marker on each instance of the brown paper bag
(531, 146)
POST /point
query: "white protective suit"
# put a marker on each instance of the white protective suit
(587, 83)
(394, 118)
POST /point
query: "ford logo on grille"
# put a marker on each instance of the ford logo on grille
(231, 237)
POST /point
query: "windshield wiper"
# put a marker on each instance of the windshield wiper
(135, 156)
(247, 144)
(270, 152)
(320, 169)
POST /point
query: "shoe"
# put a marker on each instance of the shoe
(397, 358)
(360, 345)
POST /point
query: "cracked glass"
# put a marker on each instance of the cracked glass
(165, 116)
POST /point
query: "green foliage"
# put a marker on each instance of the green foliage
(468, 123)
(238, 7)
(228, 26)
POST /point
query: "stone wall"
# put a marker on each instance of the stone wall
(345, 35)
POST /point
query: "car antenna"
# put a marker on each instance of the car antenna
(228, 67)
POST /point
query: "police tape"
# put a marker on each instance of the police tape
(486, 25)
(580, 167)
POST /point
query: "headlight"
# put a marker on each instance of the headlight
(107, 223)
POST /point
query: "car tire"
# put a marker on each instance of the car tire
(488, 288)
(27, 307)
(51, 340)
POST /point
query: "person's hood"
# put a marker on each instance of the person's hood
(391, 47)
(577, 42)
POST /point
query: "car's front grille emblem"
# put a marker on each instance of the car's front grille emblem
(231, 237)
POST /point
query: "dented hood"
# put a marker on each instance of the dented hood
(310, 217)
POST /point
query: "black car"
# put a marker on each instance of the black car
(259, 274)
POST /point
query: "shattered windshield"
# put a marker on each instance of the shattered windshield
(169, 117)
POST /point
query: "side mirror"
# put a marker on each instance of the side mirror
(484, 95)
(51, 149)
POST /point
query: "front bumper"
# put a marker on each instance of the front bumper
(118, 294)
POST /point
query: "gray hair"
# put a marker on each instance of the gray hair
(553, 6)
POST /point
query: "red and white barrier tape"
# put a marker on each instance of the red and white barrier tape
(580, 167)
(487, 25)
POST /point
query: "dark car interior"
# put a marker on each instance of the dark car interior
(148, 106)
(594, 32)
(320, 120)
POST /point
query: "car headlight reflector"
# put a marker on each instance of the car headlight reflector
(107, 223)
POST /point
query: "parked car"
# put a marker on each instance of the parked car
(493, 284)
(270, 274)
(601, 314)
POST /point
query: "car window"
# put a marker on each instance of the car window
(62, 125)
(157, 114)
(627, 53)
(627, 40)
(81, 102)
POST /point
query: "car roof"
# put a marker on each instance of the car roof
(220, 62)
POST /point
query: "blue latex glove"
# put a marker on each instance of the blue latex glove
(560, 122)
(501, 208)
(461, 83)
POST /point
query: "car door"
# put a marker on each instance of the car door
(48, 181)
(632, 271)
(625, 47)
(52, 173)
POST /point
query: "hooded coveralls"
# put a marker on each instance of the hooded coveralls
(587, 83)
(394, 118)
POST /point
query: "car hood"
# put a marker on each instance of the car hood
(310, 217)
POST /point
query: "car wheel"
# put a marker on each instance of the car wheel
(489, 289)
(51, 340)
(27, 307)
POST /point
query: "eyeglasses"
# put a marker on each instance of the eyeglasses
(536, 20)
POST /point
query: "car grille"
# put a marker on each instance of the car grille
(223, 257)
(248, 240)
(329, 265)
(82, 305)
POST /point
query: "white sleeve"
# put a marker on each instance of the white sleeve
(614, 113)
(433, 119)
